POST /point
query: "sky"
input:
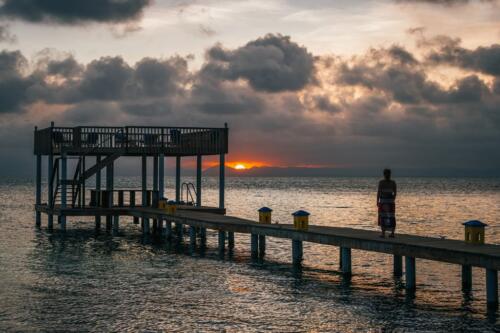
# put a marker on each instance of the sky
(405, 84)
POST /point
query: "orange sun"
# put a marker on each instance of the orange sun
(240, 166)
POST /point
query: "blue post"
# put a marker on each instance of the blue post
(398, 265)
(411, 274)
(254, 246)
(64, 177)
(38, 192)
(262, 246)
(222, 241)
(346, 260)
(466, 277)
(492, 288)
(296, 252)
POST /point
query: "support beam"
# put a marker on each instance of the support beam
(230, 240)
(398, 266)
(50, 190)
(192, 239)
(116, 224)
(198, 180)
(466, 277)
(222, 241)
(297, 252)
(346, 260)
(64, 177)
(178, 178)
(161, 176)
(492, 288)
(38, 191)
(98, 192)
(254, 246)
(410, 273)
(262, 246)
(144, 187)
(109, 192)
(222, 180)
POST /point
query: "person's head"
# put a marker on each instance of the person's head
(387, 174)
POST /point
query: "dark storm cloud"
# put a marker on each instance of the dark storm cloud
(272, 63)
(482, 59)
(74, 11)
(67, 67)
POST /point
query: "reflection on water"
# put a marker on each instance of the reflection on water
(82, 281)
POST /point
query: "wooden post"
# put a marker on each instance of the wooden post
(179, 229)
(222, 241)
(38, 191)
(410, 273)
(203, 237)
(466, 277)
(168, 229)
(145, 221)
(161, 176)
(398, 265)
(109, 193)
(346, 260)
(222, 180)
(192, 238)
(492, 288)
(230, 240)
(177, 178)
(155, 190)
(64, 178)
(297, 252)
(50, 190)
(254, 246)
(198, 180)
(83, 189)
(116, 224)
(262, 246)
(98, 192)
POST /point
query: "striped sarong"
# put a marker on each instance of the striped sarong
(387, 210)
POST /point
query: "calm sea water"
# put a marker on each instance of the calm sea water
(79, 281)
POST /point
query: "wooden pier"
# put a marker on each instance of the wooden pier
(115, 203)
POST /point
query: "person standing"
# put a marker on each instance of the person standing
(386, 202)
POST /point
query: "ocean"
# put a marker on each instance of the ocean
(80, 281)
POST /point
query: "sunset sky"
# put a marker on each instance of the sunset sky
(342, 84)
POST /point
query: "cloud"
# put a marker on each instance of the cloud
(482, 59)
(443, 2)
(272, 63)
(385, 106)
(73, 12)
(6, 36)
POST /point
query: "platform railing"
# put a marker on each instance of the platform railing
(132, 139)
(122, 198)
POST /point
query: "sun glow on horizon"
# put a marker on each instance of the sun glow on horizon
(240, 166)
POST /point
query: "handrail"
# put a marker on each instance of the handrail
(189, 187)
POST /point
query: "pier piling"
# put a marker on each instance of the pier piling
(398, 265)
(222, 241)
(466, 277)
(116, 225)
(262, 246)
(410, 273)
(168, 229)
(492, 288)
(38, 190)
(296, 252)
(346, 260)
(50, 190)
(98, 192)
(192, 238)
(203, 237)
(179, 229)
(64, 177)
(230, 240)
(254, 246)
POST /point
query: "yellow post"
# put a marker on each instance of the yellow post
(265, 215)
(162, 204)
(301, 220)
(171, 207)
(474, 232)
